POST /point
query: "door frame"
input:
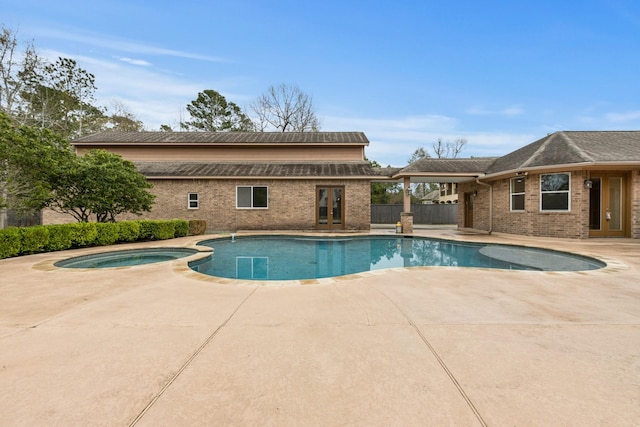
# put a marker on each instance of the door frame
(468, 210)
(625, 220)
(330, 225)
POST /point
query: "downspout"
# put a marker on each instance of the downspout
(490, 203)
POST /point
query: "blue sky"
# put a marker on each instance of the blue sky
(501, 74)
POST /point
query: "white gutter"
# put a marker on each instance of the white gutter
(564, 167)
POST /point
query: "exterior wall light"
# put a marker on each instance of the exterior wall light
(588, 183)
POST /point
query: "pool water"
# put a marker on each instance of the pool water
(125, 258)
(298, 258)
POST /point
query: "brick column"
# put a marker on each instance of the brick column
(406, 219)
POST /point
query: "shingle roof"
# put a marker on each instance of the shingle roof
(269, 169)
(569, 147)
(225, 138)
(429, 165)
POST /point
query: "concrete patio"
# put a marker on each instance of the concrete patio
(160, 345)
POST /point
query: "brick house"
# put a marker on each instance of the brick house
(567, 184)
(247, 181)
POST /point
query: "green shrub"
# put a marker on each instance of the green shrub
(146, 229)
(181, 227)
(197, 227)
(10, 242)
(34, 239)
(107, 233)
(16, 241)
(60, 237)
(156, 230)
(164, 230)
(83, 234)
(129, 231)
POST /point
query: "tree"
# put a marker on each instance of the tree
(441, 149)
(101, 183)
(62, 98)
(419, 154)
(18, 70)
(382, 192)
(40, 170)
(123, 120)
(210, 112)
(420, 190)
(286, 109)
(449, 150)
(34, 160)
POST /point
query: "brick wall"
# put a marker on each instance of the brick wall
(291, 204)
(531, 222)
(635, 204)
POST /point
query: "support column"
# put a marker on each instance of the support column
(407, 194)
(406, 219)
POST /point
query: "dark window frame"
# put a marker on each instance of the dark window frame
(555, 194)
(256, 198)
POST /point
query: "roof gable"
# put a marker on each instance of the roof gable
(572, 147)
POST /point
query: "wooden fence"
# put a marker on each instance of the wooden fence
(422, 214)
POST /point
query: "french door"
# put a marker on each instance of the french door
(330, 207)
(608, 205)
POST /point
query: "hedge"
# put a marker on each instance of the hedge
(10, 242)
(15, 241)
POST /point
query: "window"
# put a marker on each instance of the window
(193, 201)
(555, 189)
(517, 194)
(252, 197)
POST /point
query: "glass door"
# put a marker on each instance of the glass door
(330, 207)
(607, 203)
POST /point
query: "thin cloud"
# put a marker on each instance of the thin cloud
(111, 43)
(629, 116)
(132, 61)
(514, 110)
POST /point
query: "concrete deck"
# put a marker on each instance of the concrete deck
(159, 345)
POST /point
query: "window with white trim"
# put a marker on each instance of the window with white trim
(193, 201)
(517, 194)
(555, 192)
(252, 197)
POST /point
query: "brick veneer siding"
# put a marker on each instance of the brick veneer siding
(635, 204)
(291, 204)
(530, 222)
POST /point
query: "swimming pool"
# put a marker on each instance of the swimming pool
(125, 258)
(299, 258)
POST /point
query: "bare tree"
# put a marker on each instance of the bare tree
(286, 109)
(449, 150)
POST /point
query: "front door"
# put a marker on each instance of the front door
(608, 205)
(468, 210)
(330, 208)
